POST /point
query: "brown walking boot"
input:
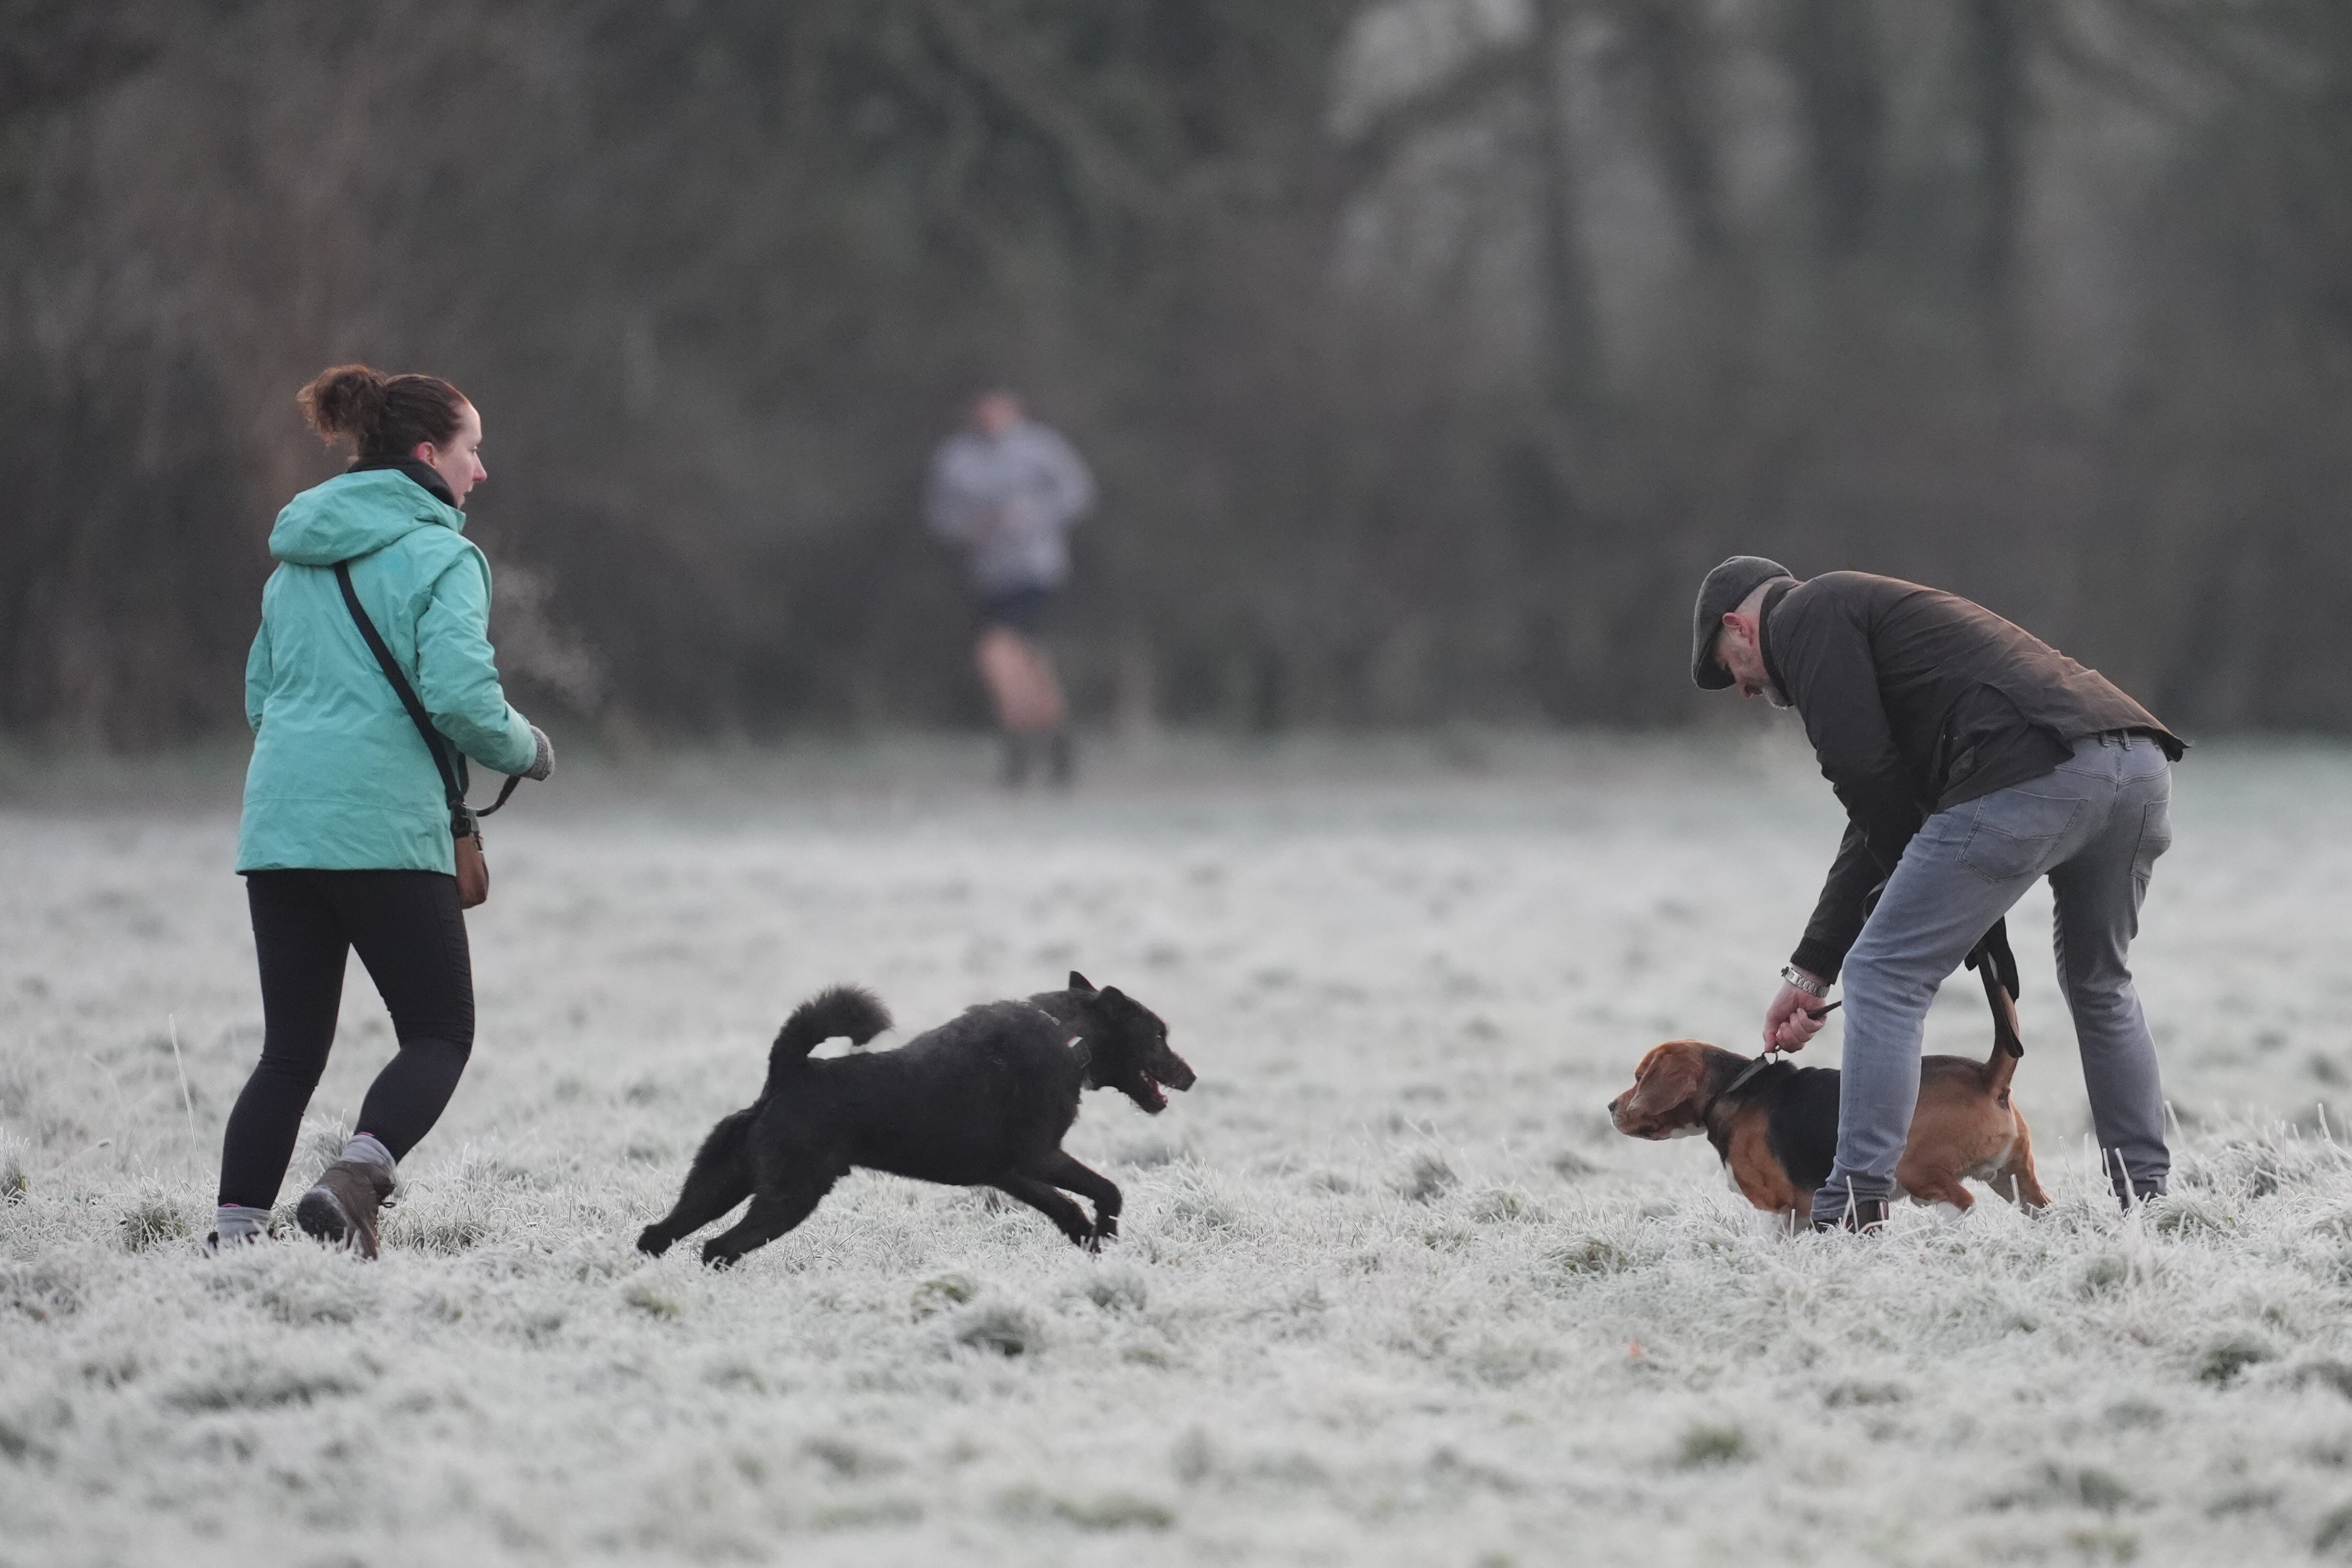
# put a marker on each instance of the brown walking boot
(342, 1205)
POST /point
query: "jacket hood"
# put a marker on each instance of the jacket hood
(356, 514)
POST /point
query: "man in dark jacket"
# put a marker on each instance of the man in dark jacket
(1971, 759)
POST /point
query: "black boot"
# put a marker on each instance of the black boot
(1866, 1215)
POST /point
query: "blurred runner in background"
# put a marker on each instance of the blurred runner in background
(1006, 490)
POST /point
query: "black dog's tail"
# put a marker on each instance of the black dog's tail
(850, 1010)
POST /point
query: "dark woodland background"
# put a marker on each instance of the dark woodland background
(1428, 351)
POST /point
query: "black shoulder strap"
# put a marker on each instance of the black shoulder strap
(460, 815)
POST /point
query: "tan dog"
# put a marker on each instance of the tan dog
(1776, 1129)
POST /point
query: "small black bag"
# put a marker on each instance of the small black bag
(465, 822)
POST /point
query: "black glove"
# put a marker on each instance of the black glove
(544, 763)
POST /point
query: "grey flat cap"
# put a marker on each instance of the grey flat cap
(1725, 588)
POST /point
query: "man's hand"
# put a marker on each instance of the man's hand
(1793, 1018)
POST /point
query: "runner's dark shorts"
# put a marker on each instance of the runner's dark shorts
(1021, 609)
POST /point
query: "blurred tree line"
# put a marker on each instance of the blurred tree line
(1428, 350)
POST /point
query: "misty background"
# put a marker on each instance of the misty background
(1427, 350)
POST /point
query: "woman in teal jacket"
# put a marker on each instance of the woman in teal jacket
(345, 841)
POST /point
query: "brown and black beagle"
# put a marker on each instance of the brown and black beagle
(1776, 1128)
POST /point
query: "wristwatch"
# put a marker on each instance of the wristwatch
(1803, 981)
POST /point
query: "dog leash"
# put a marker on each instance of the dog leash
(1771, 1054)
(1750, 1071)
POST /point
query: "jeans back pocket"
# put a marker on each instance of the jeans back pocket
(2017, 833)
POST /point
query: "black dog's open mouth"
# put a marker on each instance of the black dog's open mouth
(1149, 1094)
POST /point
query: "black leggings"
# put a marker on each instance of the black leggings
(411, 935)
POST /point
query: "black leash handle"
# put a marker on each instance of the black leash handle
(1992, 956)
(462, 816)
(505, 790)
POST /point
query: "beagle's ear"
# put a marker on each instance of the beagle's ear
(1079, 982)
(1654, 1061)
(1669, 1075)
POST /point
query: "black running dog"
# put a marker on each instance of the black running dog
(985, 1100)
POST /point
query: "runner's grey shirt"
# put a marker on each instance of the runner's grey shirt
(1010, 501)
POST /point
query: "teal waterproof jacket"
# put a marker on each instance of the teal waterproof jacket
(340, 779)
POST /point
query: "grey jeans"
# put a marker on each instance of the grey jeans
(2094, 826)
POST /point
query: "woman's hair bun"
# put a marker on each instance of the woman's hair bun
(384, 416)
(345, 401)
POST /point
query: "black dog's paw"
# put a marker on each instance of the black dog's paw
(652, 1242)
(714, 1257)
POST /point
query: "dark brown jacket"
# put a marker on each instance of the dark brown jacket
(1916, 701)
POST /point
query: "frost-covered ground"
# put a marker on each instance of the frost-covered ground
(1392, 1292)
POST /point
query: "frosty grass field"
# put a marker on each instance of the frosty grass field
(1392, 1292)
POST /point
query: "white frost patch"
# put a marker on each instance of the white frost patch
(1392, 1289)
